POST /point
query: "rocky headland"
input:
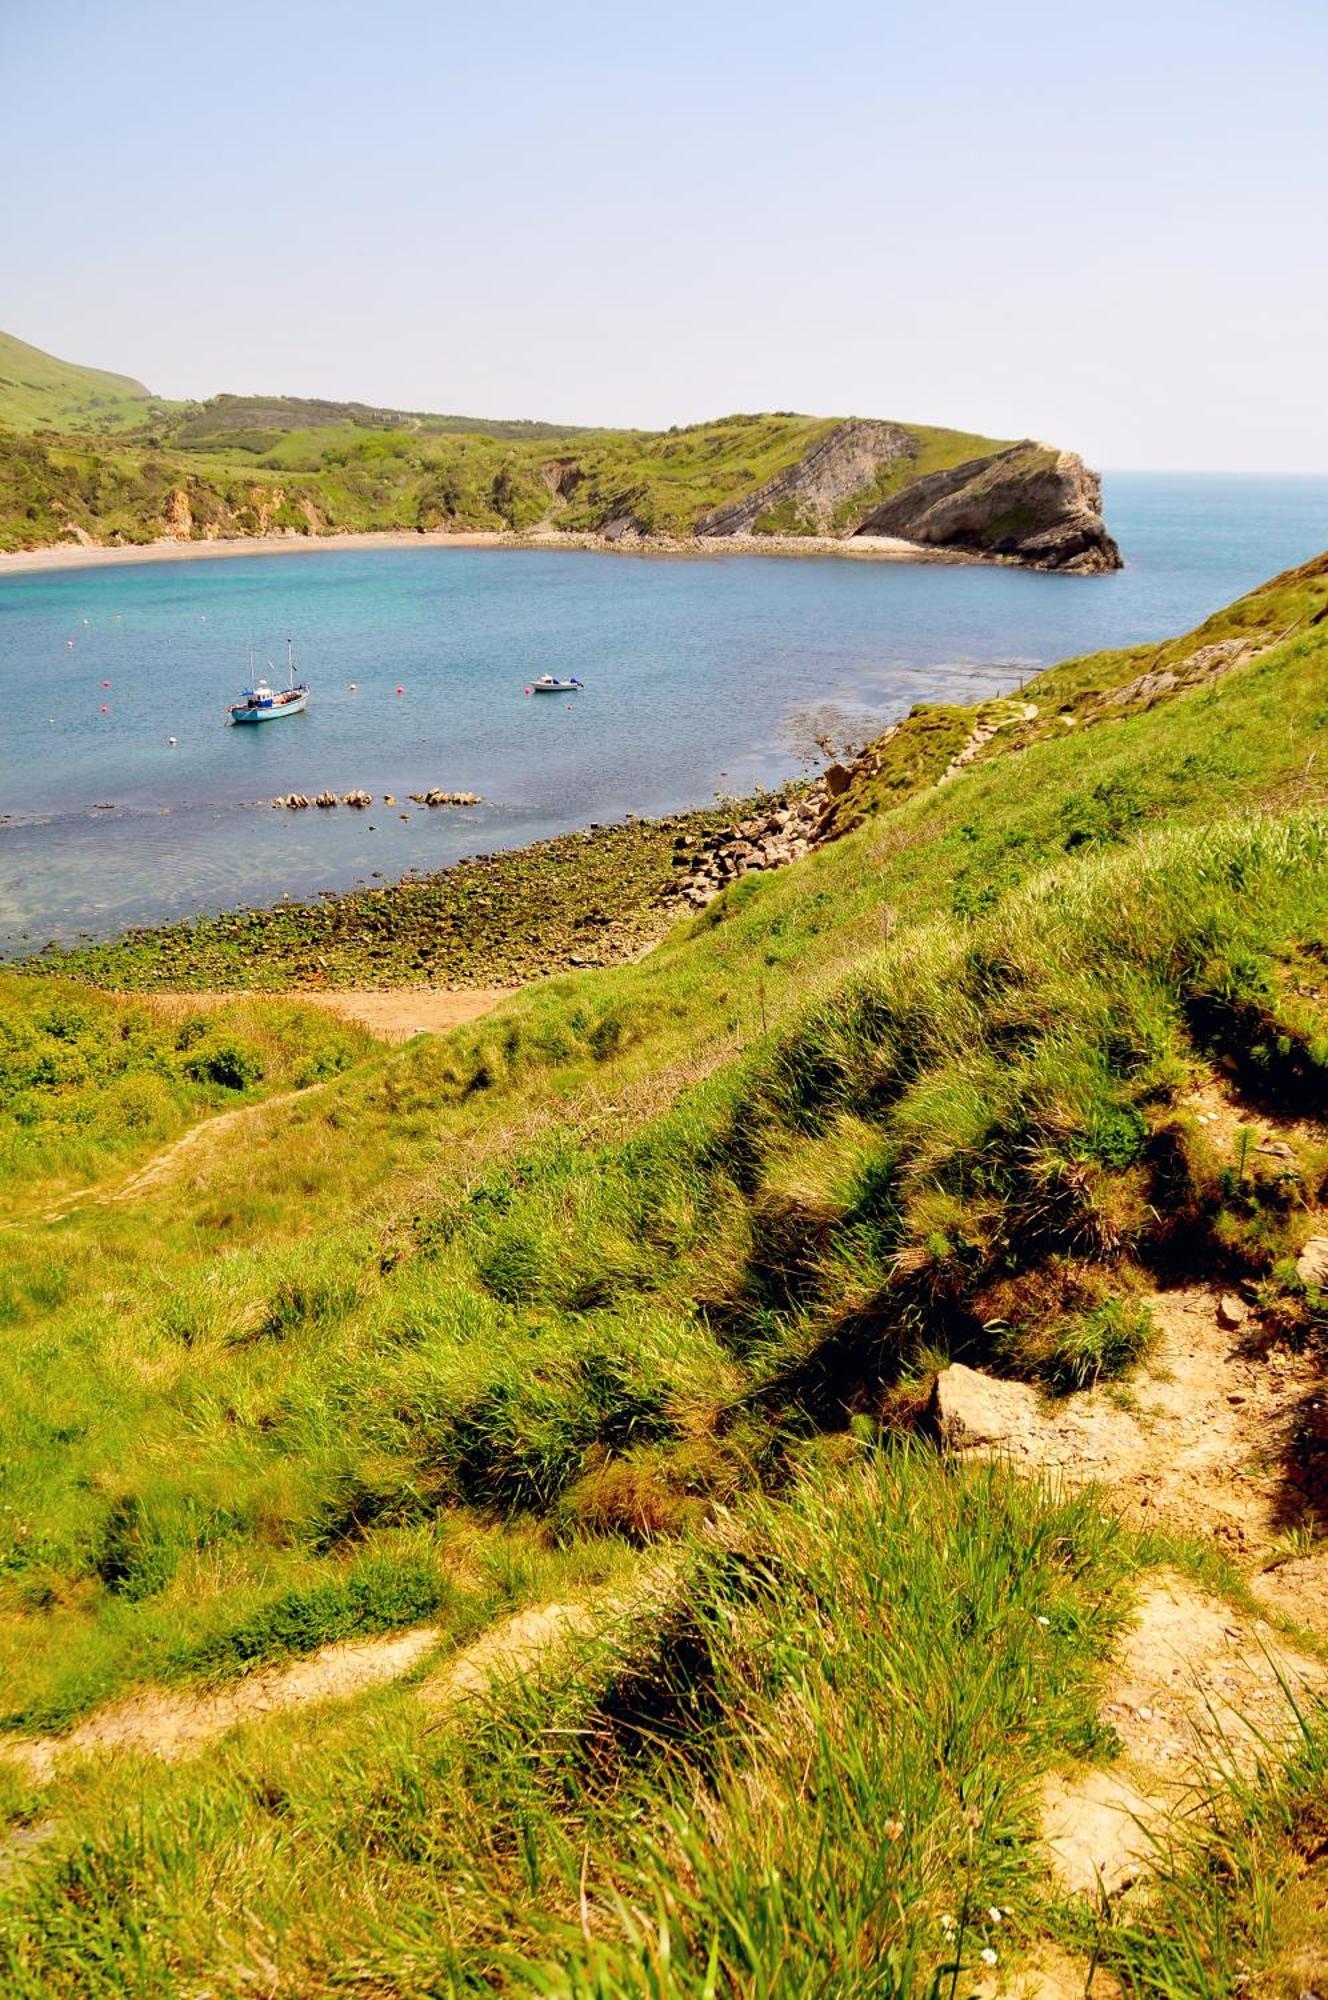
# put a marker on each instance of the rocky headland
(1030, 503)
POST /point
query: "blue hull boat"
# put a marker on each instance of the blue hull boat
(260, 703)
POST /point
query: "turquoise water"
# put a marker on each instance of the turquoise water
(698, 675)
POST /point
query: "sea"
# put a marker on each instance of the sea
(126, 799)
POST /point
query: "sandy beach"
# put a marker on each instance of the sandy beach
(861, 548)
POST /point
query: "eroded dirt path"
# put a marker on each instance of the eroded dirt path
(1217, 1436)
(1196, 1689)
(166, 1723)
(163, 1165)
(160, 1722)
(391, 1016)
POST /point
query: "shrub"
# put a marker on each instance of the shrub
(234, 1065)
(1099, 1344)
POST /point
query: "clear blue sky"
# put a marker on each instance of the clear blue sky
(1104, 226)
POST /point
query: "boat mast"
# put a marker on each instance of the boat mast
(290, 663)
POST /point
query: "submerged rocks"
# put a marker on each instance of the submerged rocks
(358, 800)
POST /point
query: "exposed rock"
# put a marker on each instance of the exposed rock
(621, 526)
(1206, 663)
(1031, 502)
(972, 1410)
(1232, 1312)
(846, 462)
(836, 780)
(1312, 1263)
(771, 839)
(179, 518)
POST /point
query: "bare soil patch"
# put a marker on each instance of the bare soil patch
(162, 1723)
(166, 1723)
(390, 1014)
(1205, 1440)
(1204, 1433)
(1196, 1689)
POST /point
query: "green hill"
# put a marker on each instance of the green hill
(112, 465)
(612, 1354)
(37, 392)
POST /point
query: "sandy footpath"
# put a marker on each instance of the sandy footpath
(393, 1015)
(868, 548)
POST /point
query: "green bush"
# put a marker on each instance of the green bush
(233, 1065)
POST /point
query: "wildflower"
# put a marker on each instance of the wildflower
(894, 1829)
(947, 1922)
(995, 1914)
(1043, 1621)
(987, 1956)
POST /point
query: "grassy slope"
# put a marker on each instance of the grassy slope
(89, 1082)
(639, 1242)
(253, 465)
(245, 421)
(364, 479)
(37, 392)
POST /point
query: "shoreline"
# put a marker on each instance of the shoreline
(595, 895)
(858, 548)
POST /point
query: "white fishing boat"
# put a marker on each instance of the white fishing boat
(550, 684)
(261, 703)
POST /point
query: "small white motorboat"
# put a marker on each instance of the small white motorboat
(550, 684)
(260, 703)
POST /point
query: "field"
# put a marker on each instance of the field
(618, 1313)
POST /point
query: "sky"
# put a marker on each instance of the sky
(1101, 226)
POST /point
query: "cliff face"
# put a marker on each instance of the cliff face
(846, 462)
(1029, 502)
(1032, 503)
